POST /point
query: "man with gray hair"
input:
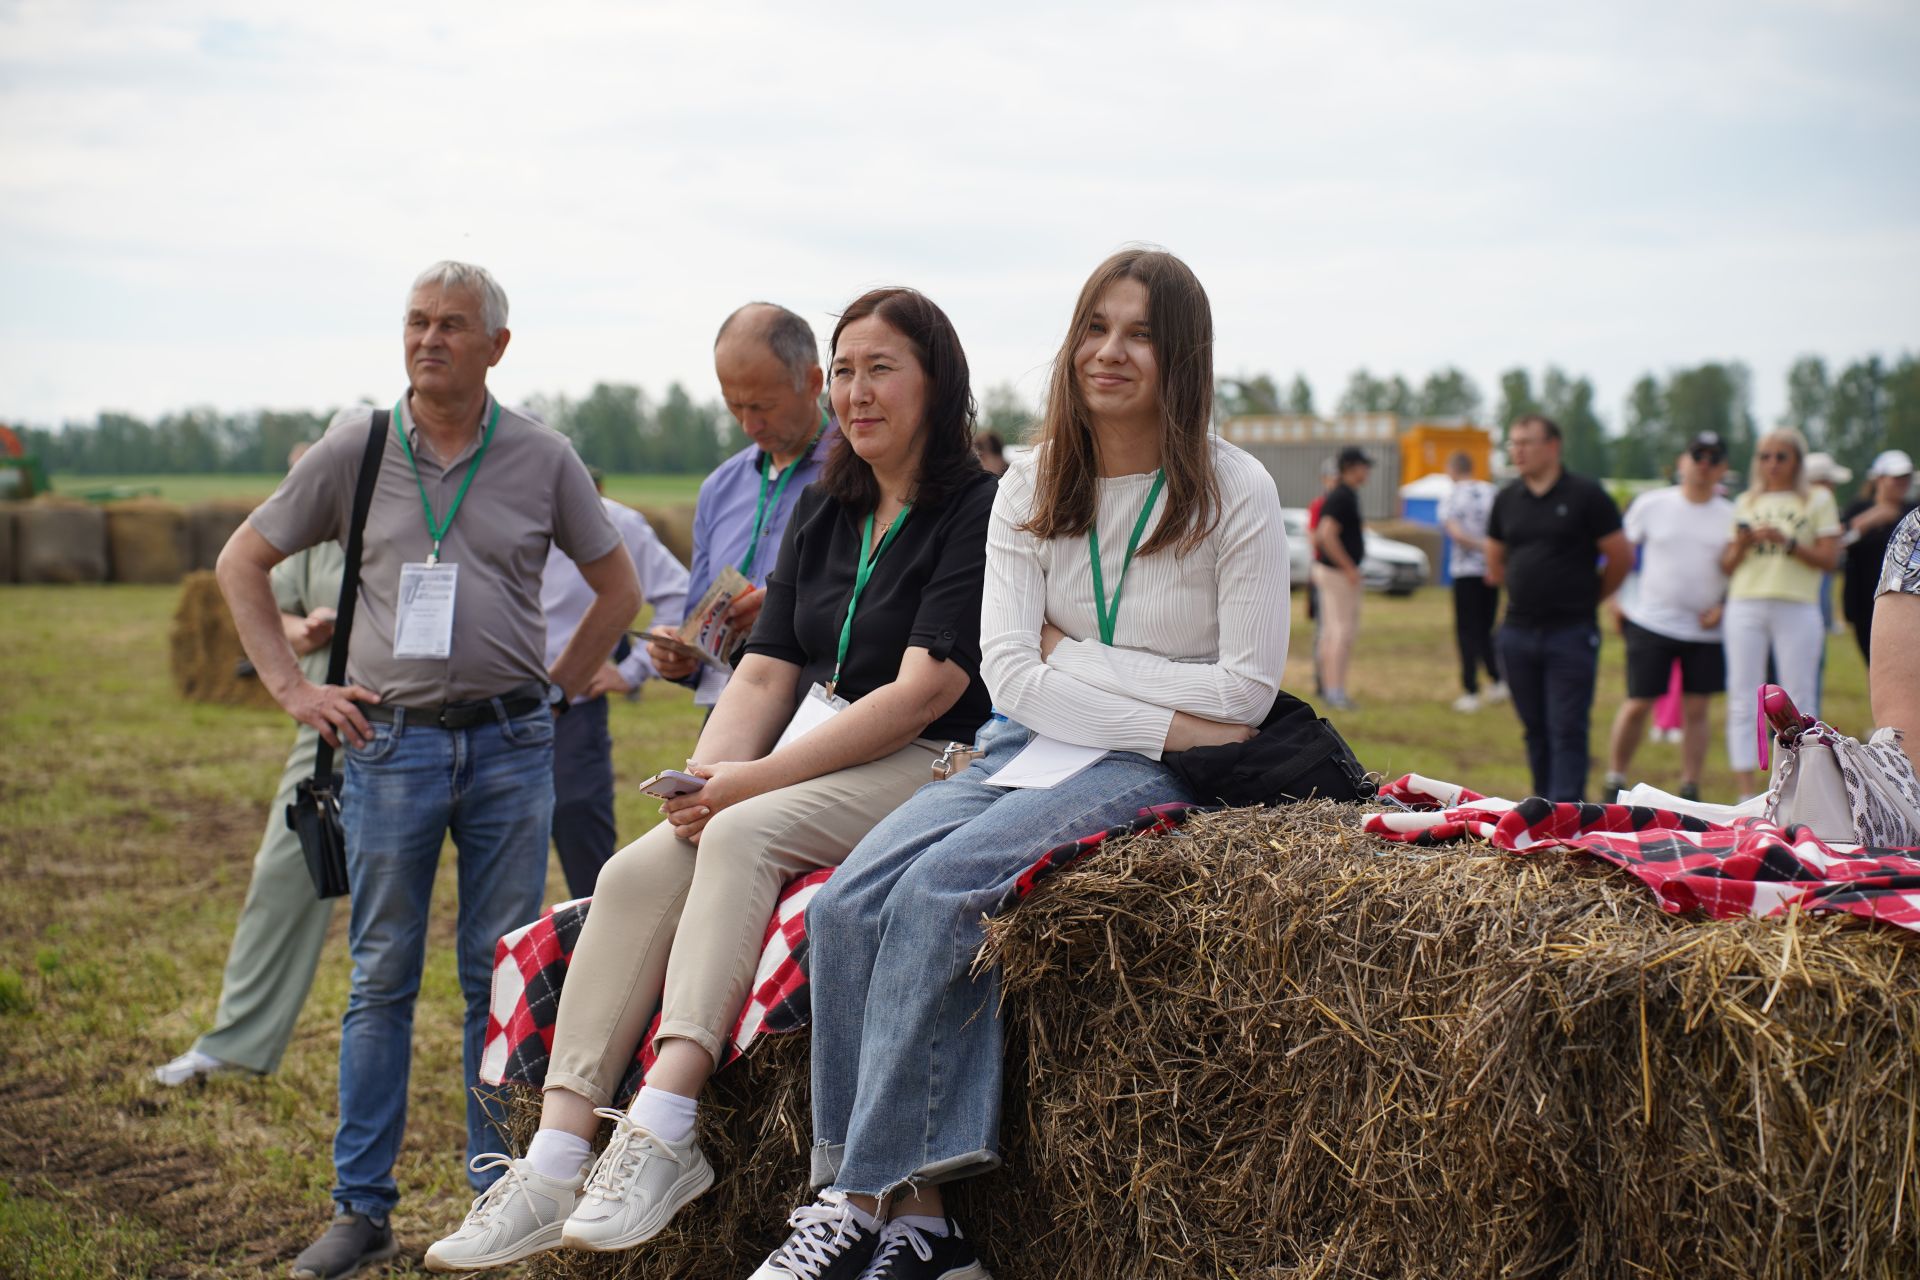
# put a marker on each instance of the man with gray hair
(447, 713)
(768, 363)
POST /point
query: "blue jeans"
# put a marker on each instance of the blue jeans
(906, 1039)
(491, 788)
(1550, 673)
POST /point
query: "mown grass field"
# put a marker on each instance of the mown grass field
(634, 490)
(128, 820)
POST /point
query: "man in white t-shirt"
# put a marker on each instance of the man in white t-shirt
(1671, 609)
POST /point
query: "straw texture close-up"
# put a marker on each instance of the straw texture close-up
(1270, 1045)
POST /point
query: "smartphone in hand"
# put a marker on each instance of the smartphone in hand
(669, 783)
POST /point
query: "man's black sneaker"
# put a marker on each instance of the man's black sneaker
(352, 1242)
(1690, 791)
(908, 1253)
(828, 1243)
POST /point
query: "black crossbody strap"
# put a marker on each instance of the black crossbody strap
(350, 577)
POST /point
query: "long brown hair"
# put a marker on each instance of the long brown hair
(1181, 321)
(947, 460)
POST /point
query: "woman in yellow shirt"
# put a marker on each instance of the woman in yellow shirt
(1786, 534)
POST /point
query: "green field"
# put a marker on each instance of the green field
(634, 490)
(128, 819)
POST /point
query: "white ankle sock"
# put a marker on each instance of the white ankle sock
(555, 1153)
(922, 1222)
(667, 1116)
(867, 1221)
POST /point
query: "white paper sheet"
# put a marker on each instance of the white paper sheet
(1654, 798)
(1045, 762)
(424, 627)
(814, 710)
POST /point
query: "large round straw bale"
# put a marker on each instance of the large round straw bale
(674, 527)
(206, 648)
(60, 541)
(8, 571)
(210, 525)
(1268, 1045)
(147, 541)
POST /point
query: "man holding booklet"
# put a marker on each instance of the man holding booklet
(768, 364)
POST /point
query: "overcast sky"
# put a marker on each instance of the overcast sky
(204, 202)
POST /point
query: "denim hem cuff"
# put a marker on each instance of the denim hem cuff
(377, 1212)
(952, 1169)
(577, 1084)
(693, 1031)
(826, 1158)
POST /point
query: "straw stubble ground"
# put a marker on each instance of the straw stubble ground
(127, 821)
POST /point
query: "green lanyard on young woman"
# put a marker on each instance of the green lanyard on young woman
(868, 558)
(1108, 619)
(766, 483)
(437, 529)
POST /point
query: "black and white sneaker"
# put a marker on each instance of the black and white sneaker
(828, 1243)
(908, 1253)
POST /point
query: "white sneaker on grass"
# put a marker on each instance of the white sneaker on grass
(637, 1185)
(1467, 702)
(1496, 692)
(520, 1215)
(190, 1066)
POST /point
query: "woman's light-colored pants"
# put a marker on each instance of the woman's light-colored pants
(686, 922)
(1795, 635)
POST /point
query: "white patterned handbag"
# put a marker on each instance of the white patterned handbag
(1847, 791)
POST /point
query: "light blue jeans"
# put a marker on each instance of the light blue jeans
(906, 1041)
(491, 788)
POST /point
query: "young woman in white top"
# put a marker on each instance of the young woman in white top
(1786, 534)
(1136, 605)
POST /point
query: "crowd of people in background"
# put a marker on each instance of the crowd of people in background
(938, 679)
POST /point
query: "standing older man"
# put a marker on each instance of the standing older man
(768, 363)
(1548, 531)
(448, 710)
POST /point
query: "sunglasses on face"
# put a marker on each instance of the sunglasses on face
(1775, 457)
(1712, 457)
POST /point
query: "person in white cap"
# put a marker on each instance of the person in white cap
(1866, 525)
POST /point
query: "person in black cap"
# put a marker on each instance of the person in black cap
(1339, 547)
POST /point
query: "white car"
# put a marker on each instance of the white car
(1397, 568)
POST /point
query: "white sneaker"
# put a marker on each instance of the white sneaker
(636, 1187)
(1467, 702)
(190, 1066)
(1496, 692)
(520, 1215)
(827, 1243)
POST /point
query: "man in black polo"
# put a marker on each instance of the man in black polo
(1339, 545)
(1554, 541)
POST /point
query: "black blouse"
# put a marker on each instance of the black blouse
(924, 593)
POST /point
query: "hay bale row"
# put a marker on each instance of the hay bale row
(59, 541)
(206, 650)
(147, 541)
(1272, 1046)
(674, 527)
(209, 525)
(56, 540)
(8, 573)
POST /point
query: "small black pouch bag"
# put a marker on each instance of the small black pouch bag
(1295, 756)
(314, 815)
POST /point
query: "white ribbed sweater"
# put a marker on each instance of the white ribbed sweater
(1204, 634)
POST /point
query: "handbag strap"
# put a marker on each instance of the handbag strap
(350, 577)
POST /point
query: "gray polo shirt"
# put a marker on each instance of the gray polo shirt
(531, 492)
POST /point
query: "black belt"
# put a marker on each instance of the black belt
(517, 701)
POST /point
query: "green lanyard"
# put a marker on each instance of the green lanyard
(766, 482)
(868, 558)
(438, 528)
(1109, 619)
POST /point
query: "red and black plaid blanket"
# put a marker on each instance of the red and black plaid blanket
(1749, 867)
(530, 968)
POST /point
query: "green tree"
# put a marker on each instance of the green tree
(1809, 398)
(1641, 451)
(1368, 394)
(1569, 402)
(1902, 388)
(1300, 395)
(1448, 393)
(1713, 397)
(611, 429)
(1005, 414)
(1857, 414)
(1235, 396)
(1516, 397)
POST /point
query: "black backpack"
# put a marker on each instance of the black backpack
(1295, 756)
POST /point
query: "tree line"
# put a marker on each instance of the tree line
(1867, 405)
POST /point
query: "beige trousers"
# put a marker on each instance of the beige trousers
(1339, 623)
(686, 922)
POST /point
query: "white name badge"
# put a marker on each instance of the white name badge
(814, 710)
(423, 623)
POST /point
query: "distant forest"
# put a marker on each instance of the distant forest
(1866, 406)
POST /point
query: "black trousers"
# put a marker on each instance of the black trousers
(1474, 606)
(583, 832)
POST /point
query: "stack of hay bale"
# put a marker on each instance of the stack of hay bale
(59, 540)
(1271, 1045)
(206, 649)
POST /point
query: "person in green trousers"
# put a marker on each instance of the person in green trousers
(276, 946)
